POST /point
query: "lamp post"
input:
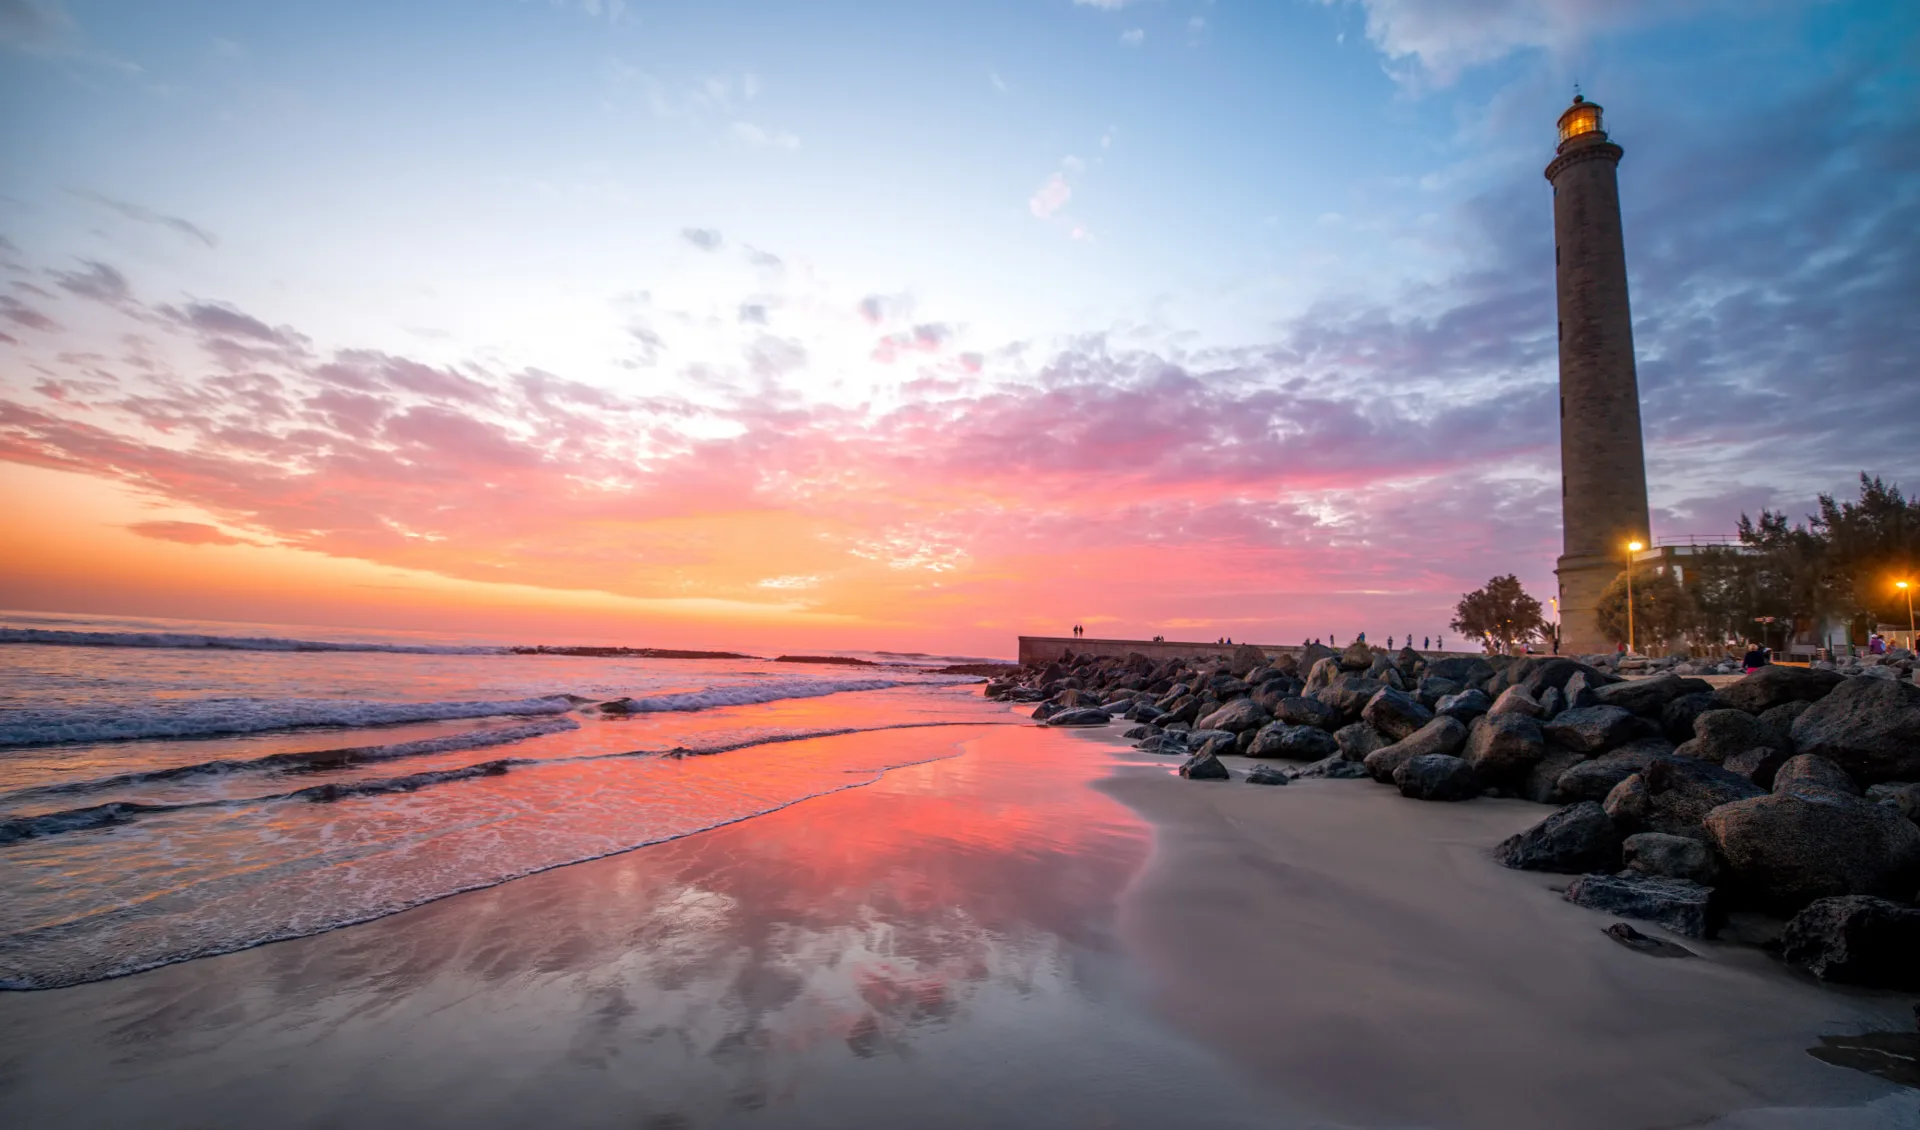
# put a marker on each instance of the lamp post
(1904, 587)
(1633, 547)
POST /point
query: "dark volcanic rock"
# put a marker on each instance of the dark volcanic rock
(1593, 780)
(1197, 738)
(1298, 743)
(1297, 711)
(1338, 768)
(1648, 697)
(1811, 775)
(1356, 657)
(1349, 695)
(1786, 850)
(1757, 765)
(1684, 907)
(1635, 940)
(1670, 857)
(1358, 740)
(1901, 796)
(1138, 732)
(1395, 713)
(1869, 727)
(1673, 794)
(1240, 714)
(1783, 717)
(1245, 658)
(1436, 776)
(1577, 693)
(1514, 700)
(1504, 748)
(1676, 717)
(1555, 673)
(1772, 685)
(1466, 706)
(1204, 766)
(1592, 729)
(1466, 670)
(1442, 735)
(1267, 775)
(1080, 716)
(1542, 785)
(1580, 837)
(1719, 734)
(1856, 939)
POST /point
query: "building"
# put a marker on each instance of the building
(1603, 475)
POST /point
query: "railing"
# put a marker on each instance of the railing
(1697, 539)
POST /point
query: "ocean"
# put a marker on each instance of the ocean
(173, 789)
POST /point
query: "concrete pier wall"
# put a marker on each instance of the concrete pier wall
(1035, 650)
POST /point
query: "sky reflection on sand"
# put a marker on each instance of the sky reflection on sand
(935, 948)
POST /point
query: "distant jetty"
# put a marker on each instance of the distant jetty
(629, 653)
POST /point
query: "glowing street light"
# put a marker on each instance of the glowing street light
(1904, 587)
(1633, 547)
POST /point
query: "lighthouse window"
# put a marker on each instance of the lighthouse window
(1556, 255)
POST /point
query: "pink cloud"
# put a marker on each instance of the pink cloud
(1051, 197)
(186, 533)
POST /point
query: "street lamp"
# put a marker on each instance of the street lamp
(1908, 589)
(1633, 547)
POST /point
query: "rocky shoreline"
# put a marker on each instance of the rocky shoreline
(1781, 808)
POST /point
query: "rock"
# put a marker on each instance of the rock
(1901, 796)
(1245, 658)
(1757, 765)
(1204, 766)
(1171, 742)
(1555, 673)
(1580, 837)
(1298, 743)
(1719, 734)
(1772, 685)
(1442, 735)
(1515, 700)
(1297, 711)
(1240, 714)
(1577, 693)
(1466, 706)
(1648, 697)
(1138, 732)
(1630, 802)
(1542, 785)
(1684, 907)
(1782, 717)
(1356, 741)
(1186, 708)
(1338, 768)
(1869, 727)
(1198, 738)
(1679, 792)
(1552, 702)
(1356, 657)
(1436, 776)
(1786, 850)
(1812, 775)
(1349, 694)
(1670, 857)
(1267, 775)
(1593, 780)
(1395, 714)
(1592, 729)
(1323, 672)
(1467, 670)
(1145, 712)
(1635, 940)
(1080, 716)
(1856, 939)
(1504, 748)
(1676, 717)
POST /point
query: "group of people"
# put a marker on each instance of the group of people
(1427, 643)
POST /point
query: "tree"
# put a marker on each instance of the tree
(1498, 615)
(1662, 610)
(1869, 545)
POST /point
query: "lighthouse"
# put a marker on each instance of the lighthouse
(1603, 471)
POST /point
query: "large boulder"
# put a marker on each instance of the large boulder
(1504, 748)
(1442, 735)
(1245, 658)
(1577, 693)
(1466, 706)
(1580, 837)
(1673, 795)
(1555, 673)
(1205, 766)
(1670, 857)
(1323, 672)
(1758, 764)
(1592, 729)
(1869, 727)
(1810, 775)
(1240, 714)
(1436, 776)
(1267, 775)
(1593, 780)
(1358, 740)
(1901, 796)
(1395, 713)
(1719, 734)
(1648, 697)
(1515, 700)
(1298, 711)
(1856, 939)
(1680, 905)
(1783, 717)
(1467, 670)
(1676, 717)
(1337, 768)
(1786, 850)
(1349, 694)
(1356, 657)
(1542, 785)
(1079, 716)
(1772, 685)
(1297, 743)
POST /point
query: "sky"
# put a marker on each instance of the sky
(912, 325)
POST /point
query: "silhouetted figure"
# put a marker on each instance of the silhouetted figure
(1389, 643)
(1755, 658)
(1425, 642)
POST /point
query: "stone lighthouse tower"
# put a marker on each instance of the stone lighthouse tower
(1603, 472)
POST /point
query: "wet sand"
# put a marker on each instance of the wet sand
(1042, 930)
(1363, 954)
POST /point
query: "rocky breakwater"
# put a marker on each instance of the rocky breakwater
(1792, 793)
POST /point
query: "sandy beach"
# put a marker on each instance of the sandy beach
(1040, 929)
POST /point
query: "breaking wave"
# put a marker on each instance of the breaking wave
(772, 690)
(206, 717)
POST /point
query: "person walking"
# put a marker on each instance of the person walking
(1425, 642)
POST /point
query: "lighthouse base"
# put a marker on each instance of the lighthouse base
(1584, 579)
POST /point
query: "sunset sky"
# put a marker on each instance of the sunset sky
(911, 325)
